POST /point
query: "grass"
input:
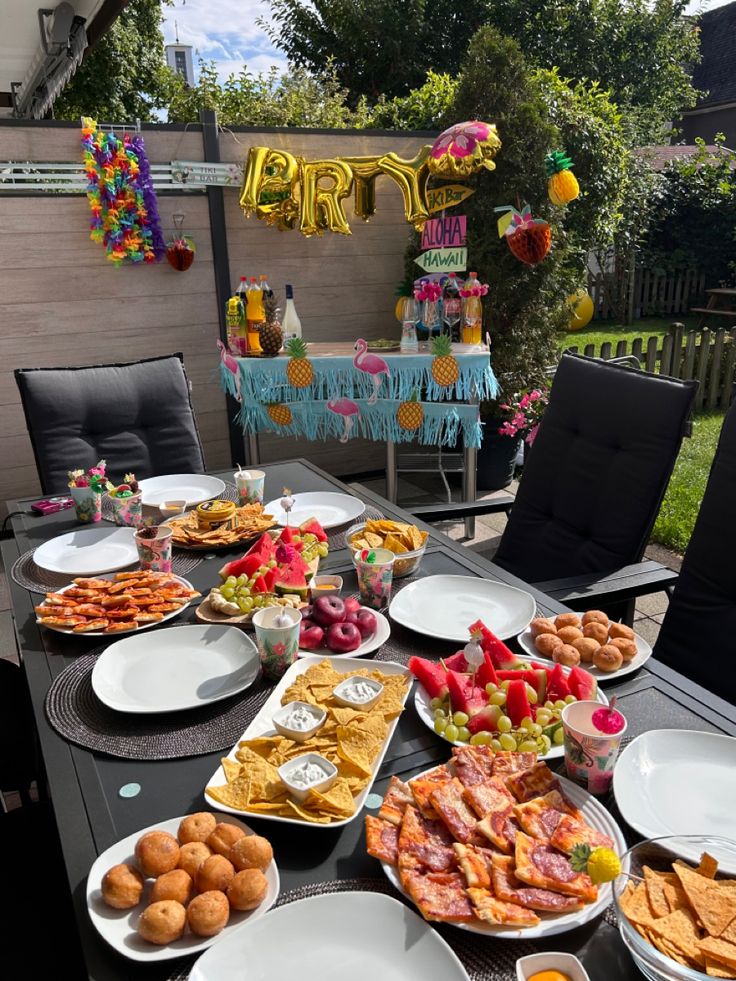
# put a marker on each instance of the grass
(600, 331)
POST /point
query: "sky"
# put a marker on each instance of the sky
(226, 32)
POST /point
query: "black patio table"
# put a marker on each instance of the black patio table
(91, 816)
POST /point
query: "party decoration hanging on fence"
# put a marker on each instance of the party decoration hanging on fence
(562, 184)
(180, 248)
(121, 196)
(529, 239)
(372, 365)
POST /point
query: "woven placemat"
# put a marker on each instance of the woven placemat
(76, 713)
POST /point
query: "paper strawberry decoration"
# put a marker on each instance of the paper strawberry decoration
(529, 239)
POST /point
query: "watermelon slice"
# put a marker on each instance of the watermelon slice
(582, 684)
(292, 578)
(464, 696)
(501, 656)
(430, 674)
(260, 586)
(312, 527)
(287, 536)
(557, 686)
(456, 662)
(486, 672)
(248, 566)
(517, 702)
(270, 577)
(486, 720)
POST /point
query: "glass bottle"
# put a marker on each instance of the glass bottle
(472, 311)
(290, 322)
(255, 315)
(452, 307)
(409, 316)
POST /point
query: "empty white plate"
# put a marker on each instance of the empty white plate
(194, 488)
(356, 935)
(174, 669)
(330, 509)
(88, 552)
(445, 606)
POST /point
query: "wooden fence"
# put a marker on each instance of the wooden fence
(706, 356)
(616, 294)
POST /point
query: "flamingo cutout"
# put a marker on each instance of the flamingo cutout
(371, 364)
(232, 366)
(348, 410)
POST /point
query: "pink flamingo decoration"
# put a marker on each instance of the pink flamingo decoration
(232, 366)
(348, 410)
(371, 364)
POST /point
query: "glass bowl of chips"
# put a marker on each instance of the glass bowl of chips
(676, 907)
(407, 542)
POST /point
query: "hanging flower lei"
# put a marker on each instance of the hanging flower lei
(121, 196)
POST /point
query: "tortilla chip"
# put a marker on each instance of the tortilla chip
(729, 933)
(719, 950)
(337, 801)
(680, 930)
(394, 544)
(714, 907)
(708, 866)
(635, 904)
(655, 892)
(716, 970)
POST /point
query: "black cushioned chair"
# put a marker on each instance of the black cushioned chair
(137, 416)
(697, 634)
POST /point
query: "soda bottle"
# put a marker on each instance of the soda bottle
(452, 307)
(242, 290)
(472, 311)
(265, 288)
(290, 322)
(255, 315)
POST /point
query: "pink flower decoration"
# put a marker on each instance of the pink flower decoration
(460, 140)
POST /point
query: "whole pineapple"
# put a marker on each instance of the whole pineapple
(410, 415)
(299, 370)
(271, 334)
(562, 184)
(445, 370)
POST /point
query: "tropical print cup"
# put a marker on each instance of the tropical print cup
(590, 754)
(154, 548)
(374, 569)
(127, 511)
(87, 503)
(277, 639)
(250, 486)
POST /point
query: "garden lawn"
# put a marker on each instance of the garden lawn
(600, 331)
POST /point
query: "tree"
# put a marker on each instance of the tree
(125, 76)
(421, 108)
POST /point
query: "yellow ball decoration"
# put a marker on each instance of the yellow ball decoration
(581, 310)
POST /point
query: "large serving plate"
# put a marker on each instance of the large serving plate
(118, 926)
(329, 508)
(369, 645)
(262, 725)
(194, 488)
(443, 607)
(356, 935)
(597, 817)
(88, 552)
(643, 653)
(175, 669)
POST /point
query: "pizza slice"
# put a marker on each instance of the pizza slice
(422, 787)
(492, 910)
(447, 800)
(540, 816)
(439, 896)
(473, 764)
(512, 890)
(474, 864)
(382, 839)
(488, 796)
(506, 763)
(538, 864)
(572, 831)
(535, 781)
(398, 796)
(423, 844)
(500, 828)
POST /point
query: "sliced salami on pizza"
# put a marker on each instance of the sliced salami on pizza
(473, 764)
(512, 890)
(475, 865)
(422, 787)
(492, 910)
(500, 828)
(448, 801)
(429, 843)
(539, 864)
(571, 832)
(535, 781)
(506, 763)
(439, 896)
(398, 796)
(540, 816)
(491, 795)
(382, 839)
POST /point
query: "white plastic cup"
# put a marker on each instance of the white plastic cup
(250, 486)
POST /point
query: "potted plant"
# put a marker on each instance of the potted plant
(505, 427)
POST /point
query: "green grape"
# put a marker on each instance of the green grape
(536, 730)
(231, 581)
(248, 602)
(435, 703)
(504, 724)
(559, 736)
(505, 685)
(545, 744)
(241, 605)
(526, 723)
(498, 698)
(257, 599)
(570, 698)
(451, 732)
(496, 745)
(543, 716)
(528, 746)
(241, 580)
(322, 549)
(272, 564)
(478, 739)
(460, 719)
(439, 713)
(228, 592)
(531, 695)
(560, 703)
(490, 688)
(549, 705)
(440, 725)
(507, 742)
(463, 733)
(523, 666)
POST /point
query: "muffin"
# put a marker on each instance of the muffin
(627, 647)
(541, 625)
(248, 889)
(192, 855)
(595, 616)
(596, 631)
(608, 658)
(176, 885)
(566, 655)
(197, 827)
(586, 648)
(620, 630)
(568, 635)
(567, 620)
(157, 852)
(161, 923)
(216, 872)
(223, 837)
(546, 644)
(251, 852)
(122, 886)
(208, 913)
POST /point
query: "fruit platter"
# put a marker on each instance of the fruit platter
(484, 695)
(334, 627)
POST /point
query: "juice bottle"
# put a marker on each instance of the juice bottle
(472, 311)
(255, 315)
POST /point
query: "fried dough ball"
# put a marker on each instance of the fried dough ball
(251, 852)
(122, 886)
(586, 648)
(567, 620)
(608, 658)
(627, 647)
(208, 913)
(596, 631)
(566, 655)
(197, 827)
(216, 872)
(595, 616)
(621, 630)
(546, 644)
(176, 885)
(163, 922)
(192, 855)
(248, 889)
(569, 634)
(542, 626)
(157, 852)
(223, 837)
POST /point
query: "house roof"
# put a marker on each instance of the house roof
(659, 157)
(716, 73)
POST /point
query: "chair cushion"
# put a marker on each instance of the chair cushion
(596, 474)
(137, 416)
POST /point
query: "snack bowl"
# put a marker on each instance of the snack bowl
(658, 854)
(170, 509)
(405, 562)
(342, 693)
(551, 960)
(298, 735)
(325, 586)
(299, 792)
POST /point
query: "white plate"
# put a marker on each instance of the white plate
(379, 638)
(425, 712)
(597, 817)
(88, 552)
(356, 935)
(121, 633)
(194, 488)
(677, 782)
(118, 926)
(444, 607)
(643, 653)
(175, 669)
(262, 725)
(329, 508)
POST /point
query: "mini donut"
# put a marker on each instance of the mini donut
(161, 923)
(216, 872)
(208, 913)
(586, 648)
(546, 643)
(567, 620)
(192, 855)
(566, 655)
(157, 852)
(197, 827)
(176, 885)
(608, 658)
(542, 626)
(251, 852)
(223, 837)
(596, 631)
(569, 634)
(621, 630)
(122, 886)
(248, 889)
(595, 616)
(627, 647)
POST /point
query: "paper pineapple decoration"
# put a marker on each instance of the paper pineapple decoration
(279, 413)
(271, 334)
(445, 369)
(562, 184)
(299, 370)
(410, 415)
(528, 238)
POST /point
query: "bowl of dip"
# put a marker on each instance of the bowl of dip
(358, 692)
(299, 720)
(307, 772)
(325, 586)
(550, 966)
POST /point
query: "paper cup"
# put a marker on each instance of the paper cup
(250, 486)
(87, 504)
(374, 578)
(277, 646)
(154, 554)
(127, 511)
(590, 754)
